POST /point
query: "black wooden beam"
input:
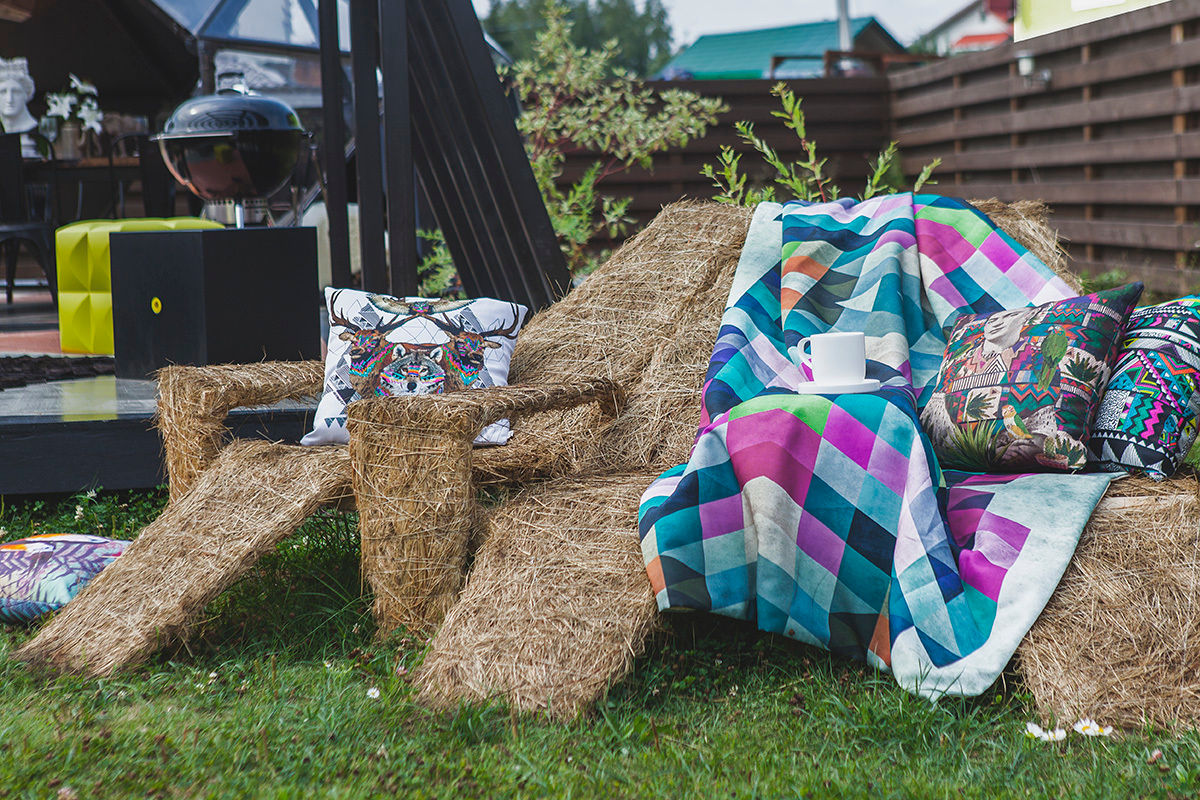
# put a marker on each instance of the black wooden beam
(334, 145)
(364, 61)
(401, 195)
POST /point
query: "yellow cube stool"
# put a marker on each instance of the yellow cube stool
(85, 323)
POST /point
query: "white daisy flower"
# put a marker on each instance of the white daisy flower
(1089, 727)
(1035, 731)
(78, 512)
(373, 693)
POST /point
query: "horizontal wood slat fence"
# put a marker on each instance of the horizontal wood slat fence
(1111, 140)
(849, 119)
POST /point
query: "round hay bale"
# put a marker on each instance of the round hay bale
(1119, 640)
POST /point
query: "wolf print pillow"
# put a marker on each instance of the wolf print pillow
(381, 346)
(1018, 389)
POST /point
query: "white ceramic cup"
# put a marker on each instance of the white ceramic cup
(835, 358)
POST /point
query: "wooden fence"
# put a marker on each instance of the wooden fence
(1105, 128)
(847, 117)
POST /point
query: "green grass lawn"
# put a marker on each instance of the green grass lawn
(273, 698)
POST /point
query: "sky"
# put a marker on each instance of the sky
(905, 19)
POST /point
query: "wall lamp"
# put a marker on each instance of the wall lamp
(1028, 70)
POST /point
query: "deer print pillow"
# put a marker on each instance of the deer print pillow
(383, 346)
(1018, 389)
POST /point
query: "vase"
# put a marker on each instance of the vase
(67, 146)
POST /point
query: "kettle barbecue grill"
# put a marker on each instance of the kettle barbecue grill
(232, 146)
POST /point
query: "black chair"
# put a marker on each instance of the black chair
(158, 184)
(26, 217)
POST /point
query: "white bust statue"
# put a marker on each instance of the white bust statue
(16, 90)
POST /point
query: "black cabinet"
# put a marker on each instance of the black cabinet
(213, 297)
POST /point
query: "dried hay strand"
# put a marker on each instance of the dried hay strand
(557, 605)
(416, 513)
(1119, 640)
(194, 401)
(610, 326)
(252, 497)
(1027, 222)
(658, 427)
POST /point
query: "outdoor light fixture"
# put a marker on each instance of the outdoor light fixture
(1028, 70)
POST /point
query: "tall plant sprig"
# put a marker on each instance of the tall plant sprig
(575, 102)
(804, 179)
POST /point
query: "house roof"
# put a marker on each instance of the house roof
(980, 41)
(747, 54)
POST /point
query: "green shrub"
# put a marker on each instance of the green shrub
(806, 178)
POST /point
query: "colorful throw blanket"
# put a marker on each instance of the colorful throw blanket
(826, 517)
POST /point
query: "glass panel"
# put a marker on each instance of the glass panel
(294, 79)
(188, 13)
(283, 21)
(293, 22)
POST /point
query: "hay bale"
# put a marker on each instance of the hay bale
(557, 605)
(1119, 640)
(194, 401)
(612, 326)
(253, 496)
(1027, 222)
(417, 510)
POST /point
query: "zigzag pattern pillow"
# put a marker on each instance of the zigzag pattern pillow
(1148, 417)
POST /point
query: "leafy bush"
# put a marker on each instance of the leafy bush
(805, 179)
(575, 100)
(572, 104)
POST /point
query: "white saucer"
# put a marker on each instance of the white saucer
(812, 387)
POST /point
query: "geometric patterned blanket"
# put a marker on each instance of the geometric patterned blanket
(826, 518)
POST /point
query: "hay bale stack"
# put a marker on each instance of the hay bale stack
(1119, 640)
(612, 326)
(556, 608)
(417, 510)
(253, 496)
(1027, 222)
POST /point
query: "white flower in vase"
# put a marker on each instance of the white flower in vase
(90, 115)
(82, 86)
(59, 105)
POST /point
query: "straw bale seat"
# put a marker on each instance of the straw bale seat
(556, 605)
(1119, 640)
(572, 366)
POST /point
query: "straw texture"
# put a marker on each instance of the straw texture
(1027, 221)
(417, 506)
(254, 495)
(194, 401)
(1119, 640)
(557, 602)
(554, 610)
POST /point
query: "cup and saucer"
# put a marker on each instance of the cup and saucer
(838, 363)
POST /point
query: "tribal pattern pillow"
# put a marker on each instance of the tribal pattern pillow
(1018, 389)
(381, 346)
(1148, 417)
(42, 573)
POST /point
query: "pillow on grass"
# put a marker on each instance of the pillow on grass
(1148, 417)
(383, 346)
(1018, 389)
(42, 573)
